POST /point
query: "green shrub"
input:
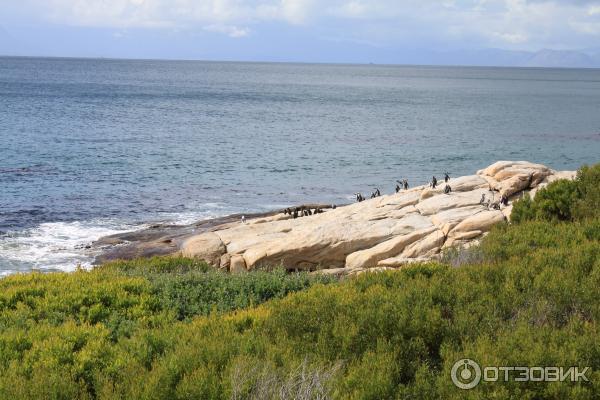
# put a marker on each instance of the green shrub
(202, 293)
(587, 204)
(157, 265)
(563, 200)
(554, 202)
(92, 334)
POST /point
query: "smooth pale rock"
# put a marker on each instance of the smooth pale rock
(225, 261)
(278, 217)
(512, 168)
(387, 231)
(442, 202)
(370, 257)
(492, 183)
(448, 219)
(510, 177)
(237, 264)
(514, 184)
(328, 243)
(400, 199)
(395, 262)
(465, 244)
(432, 241)
(207, 246)
(466, 183)
(482, 221)
(496, 167)
(466, 235)
(537, 173)
(507, 210)
(430, 192)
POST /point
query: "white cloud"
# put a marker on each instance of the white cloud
(594, 10)
(229, 30)
(511, 37)
(516, 23)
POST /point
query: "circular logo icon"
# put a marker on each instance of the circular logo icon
(465, 374)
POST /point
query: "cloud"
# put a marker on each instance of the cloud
(229, 30)
(518, 24)
(511, 37)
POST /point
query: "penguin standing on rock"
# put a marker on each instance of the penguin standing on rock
(446, 177)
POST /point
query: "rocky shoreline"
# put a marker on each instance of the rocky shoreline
(165, 239)
(380, 233)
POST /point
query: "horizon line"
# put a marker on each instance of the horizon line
(324, 63)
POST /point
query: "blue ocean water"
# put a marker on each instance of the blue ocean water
(93, 147)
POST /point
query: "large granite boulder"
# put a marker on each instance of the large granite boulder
(380, 233)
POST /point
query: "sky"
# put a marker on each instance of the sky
(378, 31)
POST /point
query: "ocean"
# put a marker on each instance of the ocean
(91, 147)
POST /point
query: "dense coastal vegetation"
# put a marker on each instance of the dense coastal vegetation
(171, 328)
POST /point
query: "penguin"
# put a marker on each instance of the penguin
(397, 188)
(405, 184)
(377, 192)
(446, 177)
(447, 189)
(482, 200)
(433, 182)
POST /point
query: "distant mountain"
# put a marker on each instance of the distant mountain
(562, 58)
(590, 58)
(509, 58)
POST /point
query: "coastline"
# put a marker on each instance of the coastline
(167, 239)
(384, 232)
